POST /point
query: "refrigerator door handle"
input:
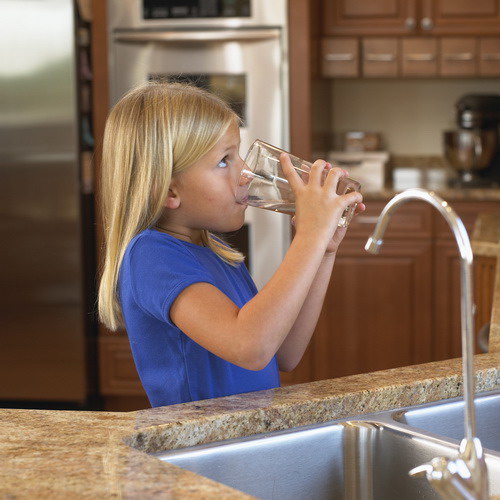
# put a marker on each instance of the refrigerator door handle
(196, 36)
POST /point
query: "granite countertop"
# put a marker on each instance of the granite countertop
(66, 454)
(447, 193)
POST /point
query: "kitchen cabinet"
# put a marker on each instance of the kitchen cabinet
(380, 57)
(410, 57)
(366, 17)
(410, 38)
(400, 307)
(419, 57)
(489, 56)
(340, 57)
(459, 17)
(458, 56)
(411, 17)
(446, 276)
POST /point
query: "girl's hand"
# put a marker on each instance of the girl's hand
(318, 207)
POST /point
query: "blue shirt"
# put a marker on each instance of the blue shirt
(173, 368)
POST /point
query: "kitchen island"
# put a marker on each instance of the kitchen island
(67, 454)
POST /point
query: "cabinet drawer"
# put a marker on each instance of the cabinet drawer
(412, 220)
(489, 56)
(468, 212)
(118, 376)
(458, 56)
(380, 57)
(419, 57)
(340, 57)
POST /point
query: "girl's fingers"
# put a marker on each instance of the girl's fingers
(316, 173)
(353, 197)
(290, 173)
(333, 177)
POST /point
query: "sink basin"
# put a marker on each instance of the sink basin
(447, 419)
(358, 459)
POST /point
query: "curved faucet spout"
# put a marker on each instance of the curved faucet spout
(466, 303)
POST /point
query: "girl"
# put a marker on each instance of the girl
(197, 326)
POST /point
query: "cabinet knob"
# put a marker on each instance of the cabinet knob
(410, 23)
(426, 24)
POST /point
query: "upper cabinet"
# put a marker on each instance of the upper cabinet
(369, 17)
(410, 38)
(411, 17)
(460, 17)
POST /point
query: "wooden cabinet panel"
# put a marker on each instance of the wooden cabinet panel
(375, 312)
(489, 56)
(484, 283)
(460, 17)
(412, 220)
(419, 57)
(467, 211)
(458, 56)
(118, 375)
(446, 304)
(340, 57)
(368, 17)
(380, 57)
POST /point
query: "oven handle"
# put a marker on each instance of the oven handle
(196, 36)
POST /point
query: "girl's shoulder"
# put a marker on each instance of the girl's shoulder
(153, 244)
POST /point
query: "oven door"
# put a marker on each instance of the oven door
(244, 66)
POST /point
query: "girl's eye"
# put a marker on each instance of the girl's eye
(223, 163)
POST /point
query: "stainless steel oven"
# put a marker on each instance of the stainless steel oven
(236, 48)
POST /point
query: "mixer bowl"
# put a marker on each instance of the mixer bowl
(468, 150)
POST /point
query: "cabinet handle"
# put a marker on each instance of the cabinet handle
(420, 57)
(410, 23)
(463, 56)
(426, 24)
(491, 57)
(339, 57)
(380, 57)
(367, 219)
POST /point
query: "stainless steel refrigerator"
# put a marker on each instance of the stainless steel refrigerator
(44, 286)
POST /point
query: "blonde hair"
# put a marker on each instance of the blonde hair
(155, 131)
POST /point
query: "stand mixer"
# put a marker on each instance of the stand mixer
(473, 149)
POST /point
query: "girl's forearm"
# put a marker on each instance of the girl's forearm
(267, 319)
(293, 347)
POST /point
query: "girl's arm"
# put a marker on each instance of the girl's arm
(249, 337)
(291, 351)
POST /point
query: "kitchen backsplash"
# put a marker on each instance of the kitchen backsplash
(410, 114)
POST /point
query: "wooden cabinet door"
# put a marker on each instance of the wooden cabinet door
(458, 56)
(380, 57)
(376, 313)
(489, 56)
(419, 57)
(460, 17)
(369, 17)
(446, 279)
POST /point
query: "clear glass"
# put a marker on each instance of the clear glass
(263, 185)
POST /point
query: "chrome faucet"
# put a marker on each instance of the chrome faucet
(466, 476)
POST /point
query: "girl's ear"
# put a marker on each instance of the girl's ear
(173, 200)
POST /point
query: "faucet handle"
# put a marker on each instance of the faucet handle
(462, 478)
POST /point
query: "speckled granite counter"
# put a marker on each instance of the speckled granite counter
(67, 454)
(447, 193)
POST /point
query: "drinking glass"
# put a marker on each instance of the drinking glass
(262, 183)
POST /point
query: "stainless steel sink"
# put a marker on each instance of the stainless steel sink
(447, 419)
(366, 458)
